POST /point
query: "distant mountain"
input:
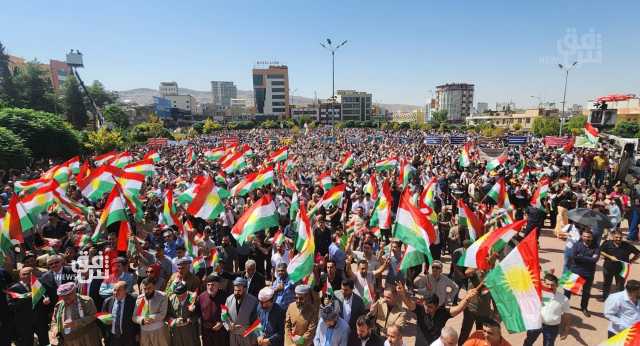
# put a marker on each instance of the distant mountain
(144, 96)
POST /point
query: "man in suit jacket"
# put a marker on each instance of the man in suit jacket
(351, 305)
(255, 280)
(22, 311)
(364, 334)
(57, 275)
(271, 317)
(122, 331)
(388, 311)
(242, 313)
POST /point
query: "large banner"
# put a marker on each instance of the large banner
(488, 154)
(517, 140)
(157, 142)
(556, 141)
(457, 139)
(433, 140)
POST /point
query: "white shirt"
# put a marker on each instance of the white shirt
(386, 343)
(438, 342)
(553, 309)
(277, 258)
(347, 307)
(573, 237)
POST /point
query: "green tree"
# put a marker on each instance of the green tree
(8, 91)
(116, 116)
(627, 129)
(104, 140)
(46, 135)
(34, 88)
(575, 123)
(546, 126)
(199, 126)
(100, 95)
(439, 117)
(517, 127)
(154, 128)
(74, 104)
(13, 153)
(210, 126)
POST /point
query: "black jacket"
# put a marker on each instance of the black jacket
(129, 329)
(48, 281)
(357, 308)
(374, 340)
(257, 283)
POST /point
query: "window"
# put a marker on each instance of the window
(277, 90)
(278, 110)
(277, 97)
(260, 94)
(277, 103)
(277, 82)
(275, 76)
(257, 79)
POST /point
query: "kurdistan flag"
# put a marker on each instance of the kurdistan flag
(627, 337)
(168, 216)
(591, 133)
(477, 255)
(301, 265)
(14, 224)
(325, 180)
(405, 174)
(145, 167)
(114, 211)
(254, 328)
(498, 193)
(541, 192)
(371, 187)
(100, 181)
(515, 287)
(498, 161)
(347, 161)
(37, 291)
(28, 186)
(410, 258)
(470, 219)
(465, 157)
(279, 155)
(381, 216)
(386, 164)
(104, 158)
(206, 202)
(412, 227)
(40, 200)
(261, 216)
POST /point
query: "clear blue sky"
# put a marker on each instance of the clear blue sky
(398, 50)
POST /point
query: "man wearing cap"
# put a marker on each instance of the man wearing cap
(150, 313)
(57, 275)
(185, 275)
(436, 283)
(271, 317)
(332, 330)
(121, 305)
(183, 319)
(283, 288)
(209, 306)
(74, 319)
(301, 318)
(242, 313)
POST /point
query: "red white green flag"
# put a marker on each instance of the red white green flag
(347, 161)
(470, 219)
(405, 174)
(301, 265)
(224, 313)
(465, 157)
(15, 222)
(122, 160)
(289, 186)
(114, 211)
(325, 180)
(104, 317)
(279, 155)
(28, 186)
(591, 132)
(541, 192)
(411, 258)
(214, 154)
(498, 161)
(412, 227)
(190, 156)
(254, 328)
(386, 164)
(37, 291)
(515, 287)
(145, 167)
(234, 163)
(73, 164)
(571, 282)
(625, 269)
(261, 216)
(371, 187)
(206, 202)
(168, 216)
(498, 193)
(381, 217)
(100, 181)
(40, 200)
(153, 155)
(478, 254)
(103, 159)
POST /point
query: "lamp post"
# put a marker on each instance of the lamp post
(329, 46)
(564, 94)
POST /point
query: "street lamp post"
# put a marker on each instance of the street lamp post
(329, 46)
(564, 94)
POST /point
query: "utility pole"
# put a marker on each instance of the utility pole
(564, 94)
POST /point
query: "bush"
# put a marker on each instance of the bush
(104, 140)
(210, 126)
(627, 129)
(13, 152)
(575, 123)
(546, 126)
(116, 116)
(154, 128)
(46, 135)
(199, 126)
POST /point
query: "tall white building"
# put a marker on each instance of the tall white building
(223, 92)
(456, 99)
(271, 90)
(183, 102)
(168, 88)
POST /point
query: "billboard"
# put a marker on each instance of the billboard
(162, 106)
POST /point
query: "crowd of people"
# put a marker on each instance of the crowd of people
(159, 291)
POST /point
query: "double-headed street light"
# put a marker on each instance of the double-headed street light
(564, 95)
(329, 46)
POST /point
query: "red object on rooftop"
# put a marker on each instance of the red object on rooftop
(615, 97)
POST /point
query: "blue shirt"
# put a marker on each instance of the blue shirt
(621, 312)
(336, 254)
(584, 259)
(336, 336)
(286, 296)
(170, 247)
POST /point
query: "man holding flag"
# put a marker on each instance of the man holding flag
(271, 317)
(242, 312)
(150, 312)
